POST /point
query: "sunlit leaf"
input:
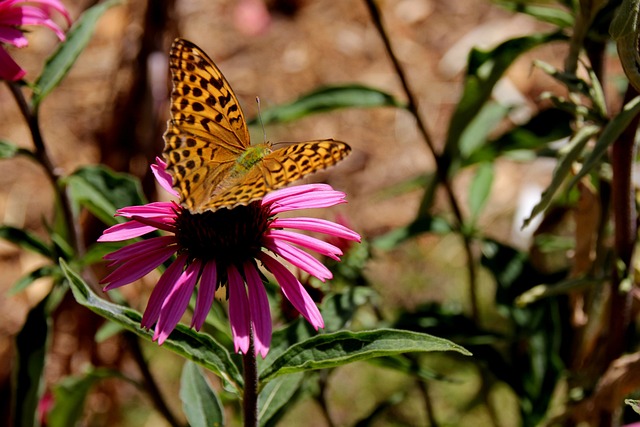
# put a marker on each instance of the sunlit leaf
(480, 188)
(200, 402)
(77, 38)
(276, 396)
(340, 348)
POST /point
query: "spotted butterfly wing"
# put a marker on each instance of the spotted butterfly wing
(207, 145)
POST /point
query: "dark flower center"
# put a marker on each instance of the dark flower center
(228, 236)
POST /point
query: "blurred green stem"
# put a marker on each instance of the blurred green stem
(442, 160)
(41, 155)
(250, 395)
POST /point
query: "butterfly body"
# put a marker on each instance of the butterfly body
(207, 145)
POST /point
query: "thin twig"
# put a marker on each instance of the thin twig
(250, 395)
(441, 160)
(151, 387)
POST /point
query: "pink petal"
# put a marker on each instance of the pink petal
(298, 257)
(150, 210)
(293, 191)
(9, 69)
(320, 246)
(206, 292)
(125, 231)
(163, 177)
(239, 316)
(137, 267)
(316, 225)
(293, 291)
(161, 291)
(140, 248)
(176, 303)
(308, 201)
(12, 36)
(260, 311)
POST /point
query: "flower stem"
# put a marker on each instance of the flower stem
(42, 157)
(250, 372)
(442, 160)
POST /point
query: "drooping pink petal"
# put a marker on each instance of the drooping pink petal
(283, 193)
(9, 69)
(163, 177)
(137, 267)
(260, 312)
(307, 201)
(293, 291)
(140, 248)
(320, 246)
(12, 36)
(57, 6)
(316, 225)
(176, 303)
(239, 316)
(206, 292)
(125, 231)
(161, 291)
(150, 210)
(298, 257)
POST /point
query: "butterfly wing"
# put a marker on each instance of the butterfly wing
(277, 169)
(207, 130)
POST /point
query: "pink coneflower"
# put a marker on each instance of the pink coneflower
(223, 248)
(16, 13)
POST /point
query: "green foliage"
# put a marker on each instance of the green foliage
(200, 402)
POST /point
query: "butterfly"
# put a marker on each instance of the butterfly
(208, 150)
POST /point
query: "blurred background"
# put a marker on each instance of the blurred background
(112, 109)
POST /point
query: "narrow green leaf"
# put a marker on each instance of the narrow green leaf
(102, 191)
(276, 396)
(327, 99)
(609, 135)
(25, 240)
(340, 348)
(200, 402)
(8, 150)
(543, 13)
(425, 224)
(635, 404)
(38, 273)
(58, 64)
(195, 346)
(477, 132)
(480, 188)
(338, 309)
(573, 151)
(484, 69)
(70, 395)
(31, 348)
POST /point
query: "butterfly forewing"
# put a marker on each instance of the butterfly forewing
(207, 141)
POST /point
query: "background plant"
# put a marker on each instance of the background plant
(548, 322)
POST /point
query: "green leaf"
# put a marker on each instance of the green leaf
(484, 69)
(327, 99)
(102, 191)
(339, 348)
(338, 309)
(8, 150)
(70, 395)
(573, 150)
(480, 188)
(195, 346)
(276, 396)
(200, 402)
(38, 273)
(609, 135)
(25, 240)
(58, 64)
(635, 404)
(424, 224)
(543, 13)
(546, 126)
(477, 132)
(31, 348)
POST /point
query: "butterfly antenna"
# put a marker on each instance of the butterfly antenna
(264, 133)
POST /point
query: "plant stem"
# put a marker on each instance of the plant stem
(442, 161)
(42, 156)
(151, 387)
(250, 372)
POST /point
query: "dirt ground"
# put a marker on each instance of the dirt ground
(307, 44)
